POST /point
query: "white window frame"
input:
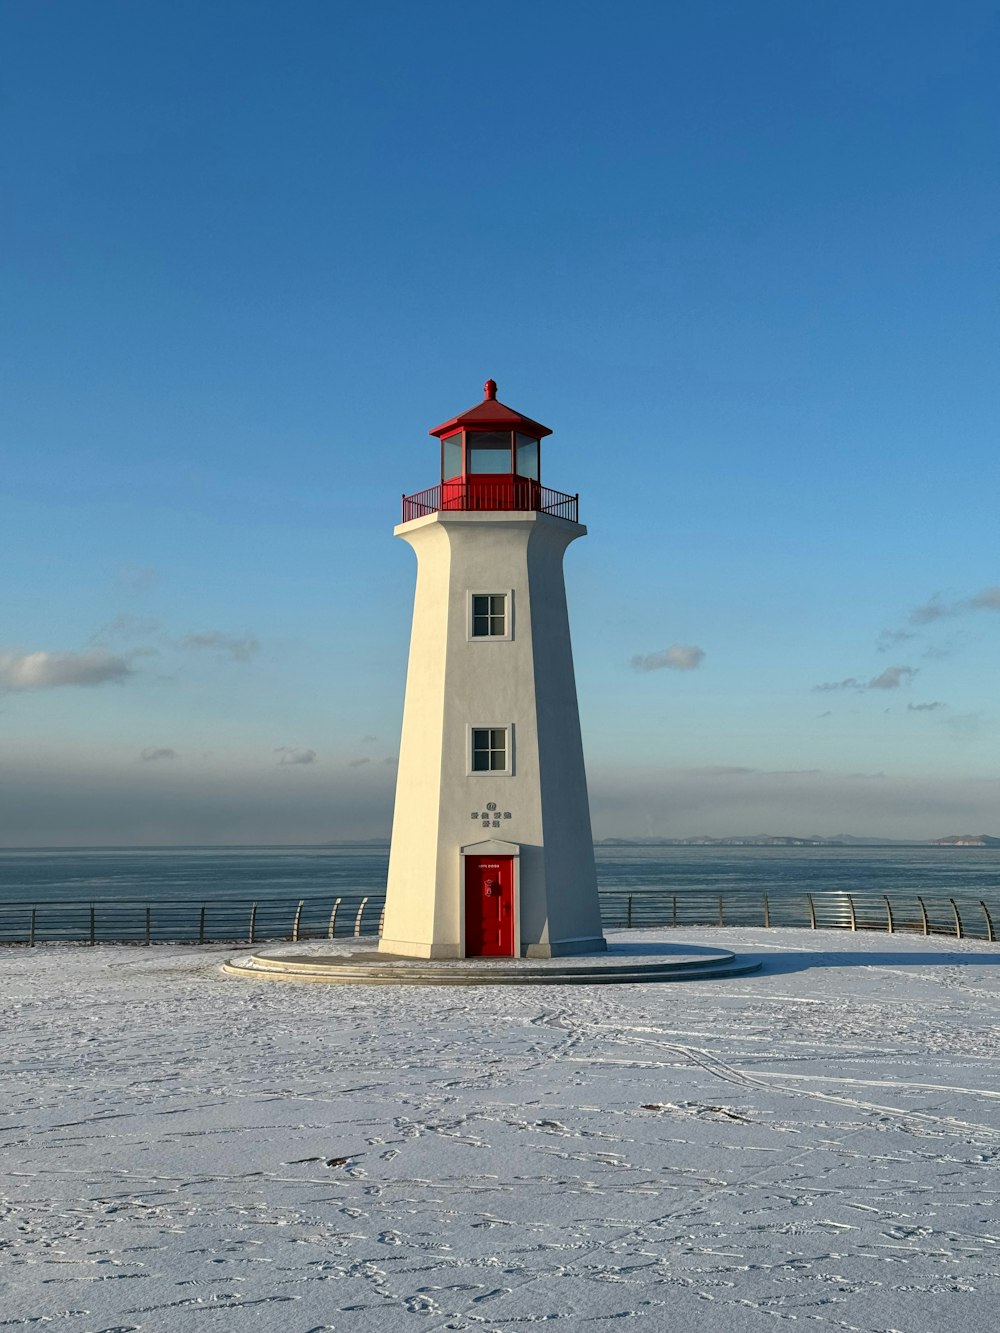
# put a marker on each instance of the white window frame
(507, 772)
(508, 595)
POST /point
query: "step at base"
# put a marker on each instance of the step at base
(623, 964)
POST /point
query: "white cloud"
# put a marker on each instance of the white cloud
(937, 609)
(892, 678)
(987, 600)
(933, 609)
(678, 657)
(48, 671)
(291, 754)
(889, 638)
(153, 752)
(214, 640)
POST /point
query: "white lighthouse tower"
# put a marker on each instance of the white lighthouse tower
(492, 853)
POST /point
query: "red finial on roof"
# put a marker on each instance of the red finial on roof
(489, 390)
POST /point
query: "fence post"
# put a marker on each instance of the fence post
(331, 929)
(923, 915)
(989, 922)
(93, 924)
(767, 912)
(673, 915)
(812, 911)
(296, 923)
(149, 925)
(201, 925)
(854, 919)
(253, 923)
(628, 912)
(34, 910)
(361, 912)
(721, 922)
(888, 915)
(958, 920)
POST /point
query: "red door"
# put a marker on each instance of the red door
(489, 907)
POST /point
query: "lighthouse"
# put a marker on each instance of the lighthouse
(492, 853)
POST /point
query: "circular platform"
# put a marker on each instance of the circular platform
(358, 964)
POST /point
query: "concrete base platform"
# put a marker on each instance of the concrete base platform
(357, 964)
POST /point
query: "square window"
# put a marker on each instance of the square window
(489, 615)
(489, 749)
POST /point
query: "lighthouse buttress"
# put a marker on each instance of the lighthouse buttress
(492, 852)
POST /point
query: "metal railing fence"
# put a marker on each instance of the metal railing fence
(509, 493)
(140, 921)
(971, 918)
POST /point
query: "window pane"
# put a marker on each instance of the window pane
(489, 749)
(451, 457)
(489, 615)
(489, 451)
(527, 457)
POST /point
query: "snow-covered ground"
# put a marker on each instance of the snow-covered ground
(816, 1143)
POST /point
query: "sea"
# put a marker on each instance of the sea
(201, 874)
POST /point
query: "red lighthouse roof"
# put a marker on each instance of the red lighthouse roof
(491, 414)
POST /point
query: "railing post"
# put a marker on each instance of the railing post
(93, 924)
(628, 912)
(149, 925)
(854, 919)
(958, 920)
(331, 929)
(721, 922)
(673, 911)
(361, 912)
(767, 912)
(253, 923)
(201, 925)
(923, 915)
(297, 922)
(888, 915)
(34, 910)
(812, 911)
(989, 922)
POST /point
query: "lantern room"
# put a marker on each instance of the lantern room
(490, 459)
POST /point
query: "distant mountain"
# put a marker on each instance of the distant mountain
(788, 840)
(849, 840)
(967, 840)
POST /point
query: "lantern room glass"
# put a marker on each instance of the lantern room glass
(527, 457)
(488, 451)
(451, 457)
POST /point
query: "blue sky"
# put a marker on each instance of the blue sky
(742, 258)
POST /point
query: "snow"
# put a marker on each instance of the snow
(817, 1143)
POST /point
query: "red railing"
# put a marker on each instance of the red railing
(506, 493)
